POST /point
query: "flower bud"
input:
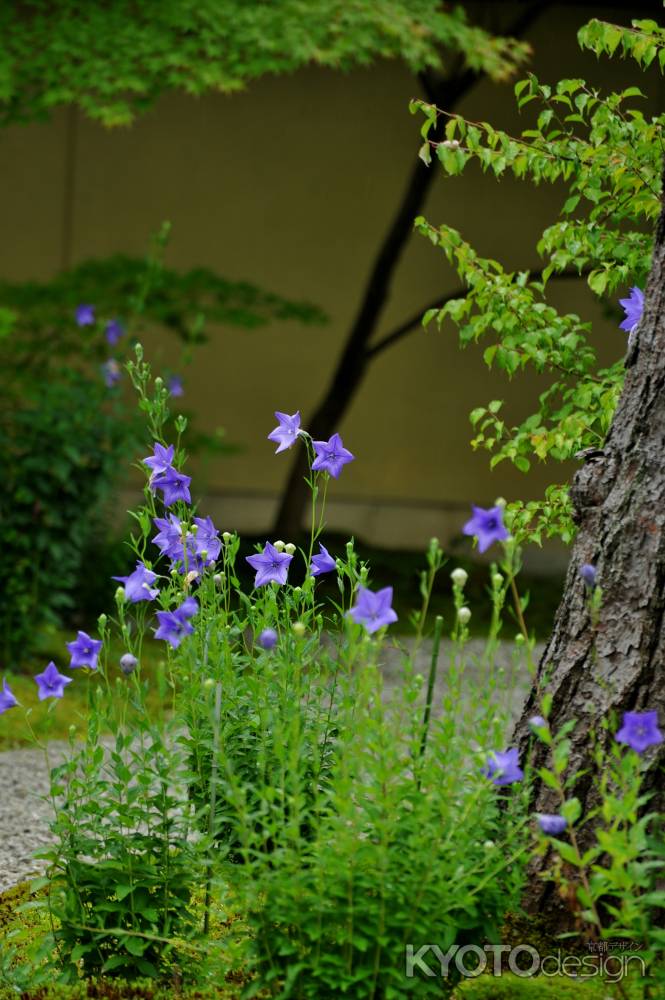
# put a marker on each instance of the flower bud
(267, 639)
(227, 536)
(159, 382)
(279, 545)
(497, 580)
(218, 579)
(519, 639)
(488, 845)
(297, 591)
(128, 664)
(289, 548)
(464, 615)
(537, 722)
(459, 577)
(72, 729)
(208, 683)
(298, 628)
(101, 622)
(500, 502)
(120, 595)
(588, 574)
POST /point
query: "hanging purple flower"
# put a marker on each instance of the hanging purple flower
(138, 584)
(267, 639)
(114, 332)
(323, 563)
(84, 651)
(84, 315)
(588, 574)
(175, 625)
(175, 386)
(174, 486)
(270, 565)
(331, 456)
(503, 768)
(373, 608)
(111, 373)
(287, 430)
(50, 683)
(639, 730)
(551, 823)
(487, 526)
(7, 699)
(161, 459)
(633, 307)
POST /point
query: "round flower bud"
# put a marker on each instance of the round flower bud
(218, 579)
(289, 548)
(459, 576)
(227, 536)
(519, 639)
(72, 729)
(267, 639)
(159, 382)
(101, 622)
(537, 722)
(500, 502)
(298, 628)
(128, 664)
(297, 591)
(208, 683)
(497, 580)
(464, 615)
(279, 545)
(489, 844)
(120, 595)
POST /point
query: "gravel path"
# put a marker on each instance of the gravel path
(25, 810)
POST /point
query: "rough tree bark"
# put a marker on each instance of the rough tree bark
(357, 354)
(619, 502)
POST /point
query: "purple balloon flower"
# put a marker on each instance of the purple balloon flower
(169, 539)
(206, 540)
(137, 584)
(114, 331)
(331, 456)
(323, 563)
(373, 608)
(551, 823)
(270, 565)
(588, 574)
(175, 387)
(175, 625)
(50, 683)
(174, 486)
(85, 315)
(503, 768)
(267, 639)
(487, 526)
(128, 663)
(537, 722)
(111, 373)
(639, 730)
(84, 651)
(161, 459)
(287, 430)
(633, 307)
(7, 699)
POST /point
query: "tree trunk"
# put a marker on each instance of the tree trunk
(619, 502)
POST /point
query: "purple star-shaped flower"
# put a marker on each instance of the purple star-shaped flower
(175, 625)
(114, 331)
(7, 699)
(111, 373)
(323, 563)
(373, 608)
(161, 459)
(286, 432)
(503, 768)
(84, 315)
(267, 639)
(270, 565)
(588, 574)
(639, 730)
(84, 651)
(51, 684)
(633, 307)
(331, 456)
(175, 386)
(169, 539)
(137, 584)
(174, 486)
(551, 823)
(206, 540)
(487, 526)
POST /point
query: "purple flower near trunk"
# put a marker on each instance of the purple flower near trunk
(111, 373)
(639, 730)
(114, 331)
(7, 699)
(174, 486)
(487, 526)
(537, 722)
(331, 456)
(84, 315)
(373, 608)
(175, 625)
(503, 768)
(161, 459)
(128, 663)
(633, 307)
(271, 566)
(50, 683)
(588, 574)
(287, 430)
(84, 651)
(323, 563)
(137, 584)
(267, 639)
(551, 823)
(175, 387)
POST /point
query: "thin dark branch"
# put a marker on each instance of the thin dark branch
(460, 293)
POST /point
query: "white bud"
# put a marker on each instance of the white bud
(279, 545)
(218, 579)
(464, 615)
(500, 502)
(159, 382)
(289, 548)
(459, 576)
(519, 638)
(450, 143)
(497, 580)
(297, 591)
(227, 536)
(489, 844)
(208, 683)
(298, 628)
(120, 595)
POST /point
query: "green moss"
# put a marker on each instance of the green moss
(510, 987)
